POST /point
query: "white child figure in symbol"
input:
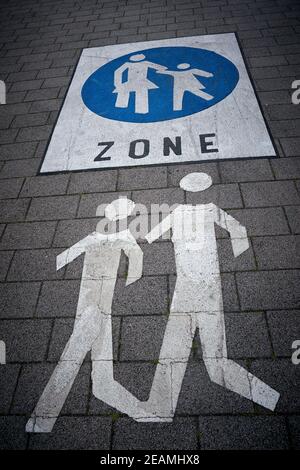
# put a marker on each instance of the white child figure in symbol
(197, 304)
(137, 83)
(93, 326)
(185, 80)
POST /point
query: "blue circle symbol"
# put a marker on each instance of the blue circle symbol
(159, 84)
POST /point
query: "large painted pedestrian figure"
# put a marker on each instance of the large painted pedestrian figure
(197, 303)
(185, 81)
(137, 83)
(93, 326)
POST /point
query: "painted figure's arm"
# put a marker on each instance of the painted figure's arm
(135, 263)
(158, 67)
(237, 231)
(202, 73)
(160, 229)
(118, 75)
(70, 254)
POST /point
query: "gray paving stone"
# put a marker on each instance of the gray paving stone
(261, 221)
(7, 136)
(50, 185)
(294, 425)
(246, 170)
(58, 299)
(141, 338)
(18, 151)
(71, 231)
(92, 182)
(42, 95)
(13, 210)
(45, 105)
(53, 207)
(26, 340)
(284, 329)
(136, 377)
(293, 215)
(80, 433)
(27, 120)
(142, 178)
(20, 168)
(62, 331)
(291, 146)
(158, 258)
(228, 262)
(10, 188)
(230, 297)
(89, 202)
(169, 196)
(34, 378)
(5, 260)
(270, 193)
(28, 235)
(247, 335)
(268, 289)
(226, 196)
(179, 435)
(277, 252)
(148, 296)
(32, 265)
(8, 381)
(5, 121)
(13, 436)
(283, 376)
(176, 172)
(199, 395)
(18, 300)
(287, 168)
(243, 432)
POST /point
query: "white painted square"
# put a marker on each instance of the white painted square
(235, 120)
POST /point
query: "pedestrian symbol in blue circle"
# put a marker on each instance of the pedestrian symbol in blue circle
(159, 84)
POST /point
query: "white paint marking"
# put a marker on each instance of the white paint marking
(141, 100)
(197, 303)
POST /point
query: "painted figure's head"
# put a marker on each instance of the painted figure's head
(195, 182)
(137, 57)
(183, 66)
(119, 209)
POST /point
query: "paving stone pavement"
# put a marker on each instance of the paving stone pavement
(40, 43)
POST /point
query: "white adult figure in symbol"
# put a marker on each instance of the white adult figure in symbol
(197, 303)
(137, 83)
(93, 328)
(185, 80)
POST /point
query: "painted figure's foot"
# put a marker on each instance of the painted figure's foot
(40, 424)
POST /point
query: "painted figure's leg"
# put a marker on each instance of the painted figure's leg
(122, 100)
(178, 99)
(142, 101)
(170, 370)
(226, 372)
(105, 387)
(203, 95)
(47, 410)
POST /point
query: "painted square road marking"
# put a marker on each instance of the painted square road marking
(158, 102)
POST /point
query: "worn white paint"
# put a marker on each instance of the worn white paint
(197, 303)
(92, 328)
(236, 121)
